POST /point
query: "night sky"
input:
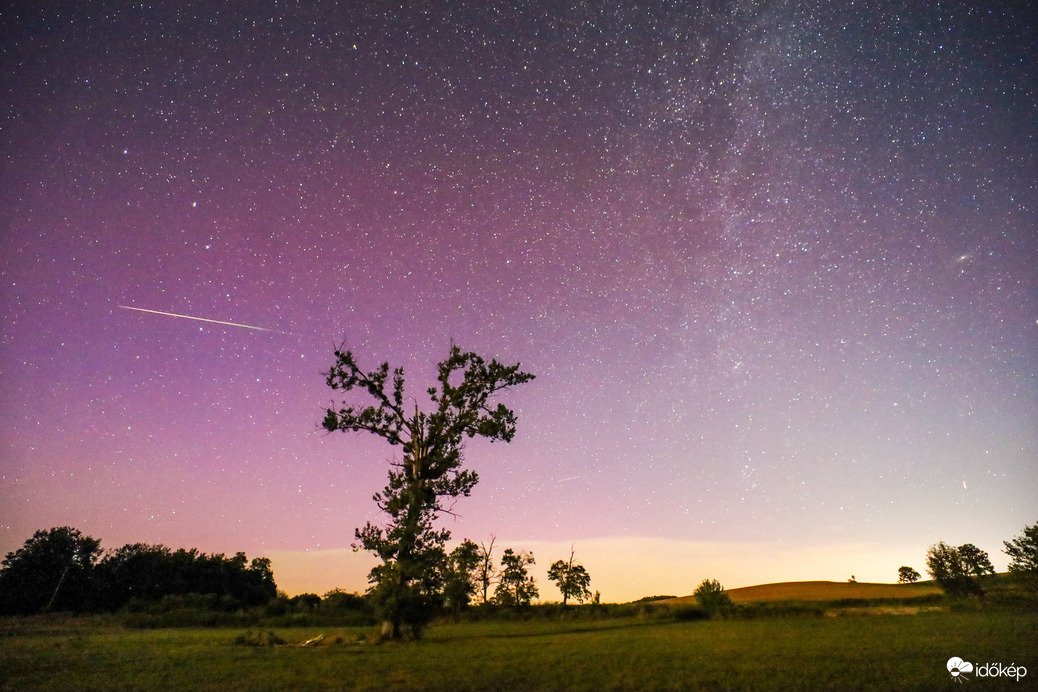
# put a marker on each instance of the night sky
(774, 264)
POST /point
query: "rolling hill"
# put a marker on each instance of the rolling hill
(820, 591)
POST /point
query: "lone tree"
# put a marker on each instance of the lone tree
(571, 579)
(514, 585)
(711, 596)
(907, 575)
(951, 571)
(1023, 553)
(429, 474)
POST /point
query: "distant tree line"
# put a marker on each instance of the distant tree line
(60, 569)
(63, 570)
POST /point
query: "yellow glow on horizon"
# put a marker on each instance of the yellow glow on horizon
(628, 568)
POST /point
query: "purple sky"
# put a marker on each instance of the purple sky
(774, 267)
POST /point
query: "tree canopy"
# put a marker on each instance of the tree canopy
(52, 571)
(571, 579)
(515, 586)
(62, 569)
(1023, 553)
(976, 560)
(907, 575)
(952, 571)
(460, 578)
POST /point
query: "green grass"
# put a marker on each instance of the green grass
(881, 652)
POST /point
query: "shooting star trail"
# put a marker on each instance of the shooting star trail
(203, 319)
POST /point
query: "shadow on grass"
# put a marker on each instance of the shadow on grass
(500, 631)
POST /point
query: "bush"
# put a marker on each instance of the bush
(339, 601)
(712, 597)
(690, 613)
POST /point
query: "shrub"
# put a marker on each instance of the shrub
(712, 597)
(690, 613)
(339, 601)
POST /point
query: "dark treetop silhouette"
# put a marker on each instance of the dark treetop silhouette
(572, 579)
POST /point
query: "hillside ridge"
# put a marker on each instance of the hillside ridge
(820, 591)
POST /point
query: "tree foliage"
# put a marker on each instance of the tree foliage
(571, 579)
(1023, 553)
(907, 575)
(976, 560)
(711, 596)
(430, 474)
(151, 572)
(52, 571)
(459, 583)
(59, 569)
(515, 586)
(952, 571)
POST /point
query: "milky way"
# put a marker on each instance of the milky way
(773, 264)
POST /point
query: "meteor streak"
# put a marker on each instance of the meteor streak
(202, 319)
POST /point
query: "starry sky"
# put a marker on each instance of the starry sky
(774, 264)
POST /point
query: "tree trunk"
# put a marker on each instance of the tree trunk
(389, 630)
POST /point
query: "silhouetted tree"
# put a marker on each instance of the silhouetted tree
(515, 586)
(305, 603)
(976, 560)
(136, 570)
(338, 600)
(1023, 553)
(711, 596)
(52, 571)
(152, 572)
(59, 569)
(485, 572)
(459, 581)
(951, 572)
(572, 580)
(907, 575)
(260, 585)
(410, 548)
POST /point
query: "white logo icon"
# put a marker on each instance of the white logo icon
(956, 666)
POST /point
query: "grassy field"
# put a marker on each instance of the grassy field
(878, 652)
